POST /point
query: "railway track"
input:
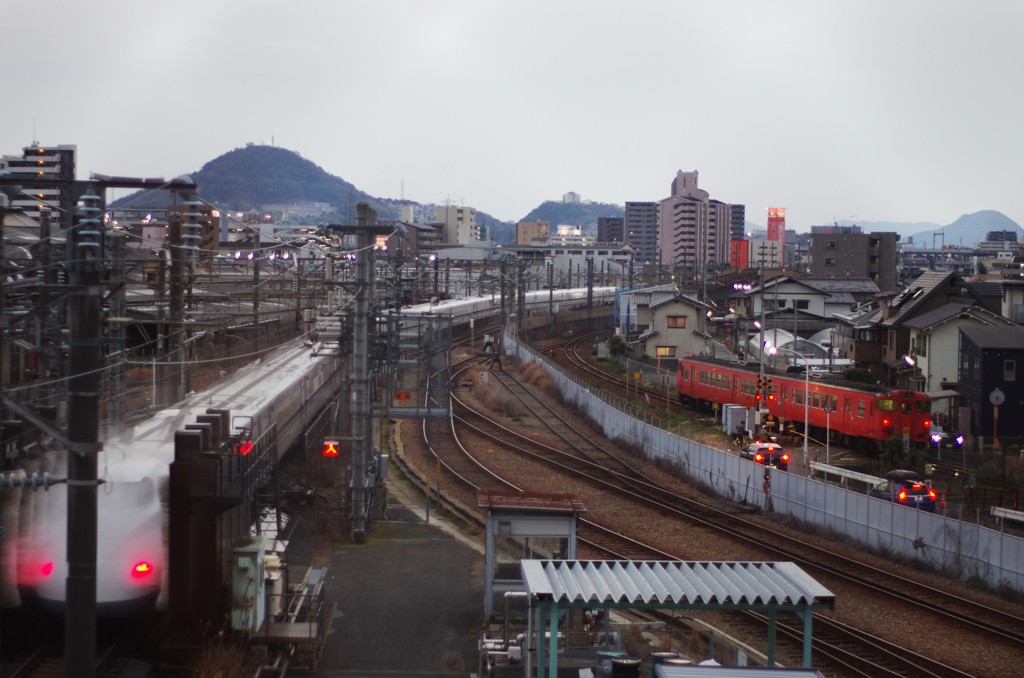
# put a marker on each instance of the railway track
(582, 461)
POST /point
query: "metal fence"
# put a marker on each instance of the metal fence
(945, 542)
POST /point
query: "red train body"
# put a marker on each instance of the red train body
(860, 413)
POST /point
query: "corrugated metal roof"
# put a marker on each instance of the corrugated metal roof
(673, 583)
(499, 499)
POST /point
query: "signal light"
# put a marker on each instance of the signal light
(757, 397)
(771, 396)
(330, 449)
(47, 569)
(142, 569)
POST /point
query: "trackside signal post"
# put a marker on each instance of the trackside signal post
(364, 234)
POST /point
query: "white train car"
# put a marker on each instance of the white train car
(287, 387)
(487, 307)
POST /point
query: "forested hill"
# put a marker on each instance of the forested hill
(253, 176)
(250, 177)
(576, 214)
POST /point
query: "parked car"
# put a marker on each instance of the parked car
(907, 488)
(769, 454)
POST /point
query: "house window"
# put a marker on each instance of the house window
(665, 351)
(830, 261)
(1009, 370)
(676, 322)
(802, 304)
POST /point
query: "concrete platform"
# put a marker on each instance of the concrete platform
(408, 602)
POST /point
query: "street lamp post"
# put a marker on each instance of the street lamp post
(807, 393)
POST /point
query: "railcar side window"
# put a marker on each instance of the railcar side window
(860, 409)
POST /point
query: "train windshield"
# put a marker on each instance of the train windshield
(886, 405)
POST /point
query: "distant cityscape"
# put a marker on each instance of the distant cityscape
(855, 299)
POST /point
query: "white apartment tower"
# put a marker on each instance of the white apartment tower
(693, 229)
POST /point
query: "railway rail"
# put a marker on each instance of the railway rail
(580, 460)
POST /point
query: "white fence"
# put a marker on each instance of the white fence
(942, 541)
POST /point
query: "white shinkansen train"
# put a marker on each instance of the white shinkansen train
(480, 308)
(288, 387)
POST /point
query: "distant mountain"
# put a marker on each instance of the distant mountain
(967, 230)
(904, 228)
(584, 215)
(253, 176)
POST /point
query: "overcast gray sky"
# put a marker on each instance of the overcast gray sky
(884, 109)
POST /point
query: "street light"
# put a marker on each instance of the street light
(807, 391)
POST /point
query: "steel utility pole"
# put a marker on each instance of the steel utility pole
(86, 244)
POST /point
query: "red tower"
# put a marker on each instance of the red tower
(777, 230)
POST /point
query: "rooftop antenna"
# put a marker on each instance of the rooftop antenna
(35, 139)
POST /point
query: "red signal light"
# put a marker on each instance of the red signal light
(142, 569)
(47, 569)
(757, 397)
(771, 396)
(330, 449)
(245, 447)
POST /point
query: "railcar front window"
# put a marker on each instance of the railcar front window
(886, 405)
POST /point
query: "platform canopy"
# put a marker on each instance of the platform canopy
(556, 585)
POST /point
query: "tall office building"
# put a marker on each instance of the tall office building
(45, 162)
(640, 226)
(737, 222)
(458, 224)
(855, 255)
(777, 229)
(693, 229)
(528, 231)
(611, 229)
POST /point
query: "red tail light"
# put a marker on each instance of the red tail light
(902, 496)
(931, 493)
(916, 486)
(885, 422)
(928, 423)
(758, 457)
(142, 569)
(785, 457)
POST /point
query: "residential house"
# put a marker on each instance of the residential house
(932, 290)
(987, 380)
(667, 324)
(934, 349)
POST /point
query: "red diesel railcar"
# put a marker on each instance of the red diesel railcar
(857, 414)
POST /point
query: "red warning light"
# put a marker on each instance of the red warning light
(142, 569)
(46, 569)
(330, 448)
(245, 447)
